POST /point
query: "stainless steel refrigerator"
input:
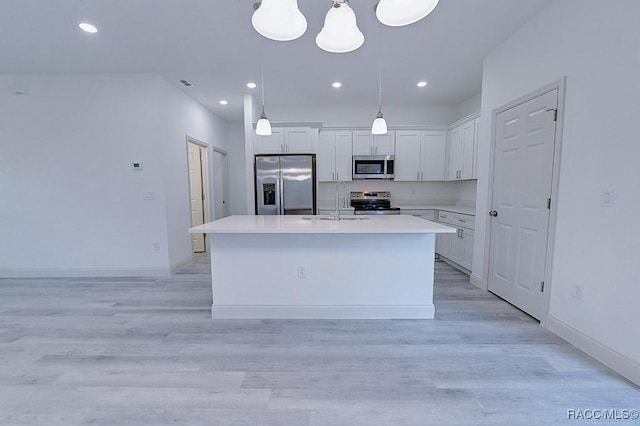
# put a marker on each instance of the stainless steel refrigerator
(285, 184)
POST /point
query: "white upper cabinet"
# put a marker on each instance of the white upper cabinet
(420, 155)
(287, 140)
(364, 143)
(334, 156)
(462, 151)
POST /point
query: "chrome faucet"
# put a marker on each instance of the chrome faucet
(336, 213)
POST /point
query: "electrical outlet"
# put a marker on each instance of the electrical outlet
(577, 292)
(156, 246)
(302, 272)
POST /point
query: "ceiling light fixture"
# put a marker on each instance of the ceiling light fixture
(340, 33)
(397, 13)
(279, 20)
(421, 84)
(336, 84)
(87, 27)
(223, 102)
(251, 85)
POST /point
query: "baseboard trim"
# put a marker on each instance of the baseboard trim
(322, 312)
(83, 272)
(181, 264)
(609, 357)
(477, 281)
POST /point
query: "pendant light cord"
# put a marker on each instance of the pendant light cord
(380, 69)
(262, 71)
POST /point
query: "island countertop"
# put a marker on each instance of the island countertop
(389, 224)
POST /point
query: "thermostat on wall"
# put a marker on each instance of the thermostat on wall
(136, 166)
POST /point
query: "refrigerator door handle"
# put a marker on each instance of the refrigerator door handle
(280, 194)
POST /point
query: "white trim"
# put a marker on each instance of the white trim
(322, 312)
(464, 119)
(182, 264)
(478, 282)
(609, 357)
(83, 272)
(555, 182)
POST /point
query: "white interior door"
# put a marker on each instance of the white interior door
(220, 185)
(196, 195)
(523, 167)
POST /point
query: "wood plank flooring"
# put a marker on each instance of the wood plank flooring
(138, 351)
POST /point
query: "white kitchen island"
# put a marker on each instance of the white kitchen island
(373, 267)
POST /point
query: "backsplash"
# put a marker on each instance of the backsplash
(407, 193)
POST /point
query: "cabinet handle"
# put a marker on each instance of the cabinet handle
(337, 175)
(461, 233)
(281, 147)
(421, 175)
(417, 175)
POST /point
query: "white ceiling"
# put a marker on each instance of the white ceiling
(211, 43)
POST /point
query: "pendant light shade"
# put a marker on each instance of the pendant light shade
(279, 20)
(379, 126)
(396, 13)
(340, 33)
(263, 127)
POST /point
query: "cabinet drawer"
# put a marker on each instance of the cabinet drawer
(424, 214)
(444, 217)
(463, 220)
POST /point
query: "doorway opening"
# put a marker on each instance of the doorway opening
(198, 191)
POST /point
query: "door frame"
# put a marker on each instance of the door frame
(559, 85)
(206, 184)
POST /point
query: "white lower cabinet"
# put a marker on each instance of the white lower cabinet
(458, 247)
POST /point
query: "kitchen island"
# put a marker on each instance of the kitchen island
(373, 267)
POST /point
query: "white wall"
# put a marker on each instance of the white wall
(71, 202)
(470, 106)
(595, 45)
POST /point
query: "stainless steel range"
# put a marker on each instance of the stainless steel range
(372, 202)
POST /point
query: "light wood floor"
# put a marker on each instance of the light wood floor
(145, 352)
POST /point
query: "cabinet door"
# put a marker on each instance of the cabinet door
(455, 153)
(456, 252)
(326, 157)
(407, 164)
(468, 151)
(343, 156)
(443, 244)
(432, 155)
(384, 144)
(272, 144)
(299, 140)
(467, 258)
(362, 142)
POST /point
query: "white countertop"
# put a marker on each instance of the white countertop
(389, 224)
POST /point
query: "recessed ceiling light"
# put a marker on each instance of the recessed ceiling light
(422, 84)
(223, 102)
(85, 26)
(337, 84)
(251, 85)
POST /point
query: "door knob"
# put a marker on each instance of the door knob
(493, 213)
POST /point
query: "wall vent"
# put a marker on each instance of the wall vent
(186, 83)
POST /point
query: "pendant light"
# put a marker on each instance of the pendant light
(279, 20)
(396, 13)
(263, 127)
(379, 126)
(340, 33)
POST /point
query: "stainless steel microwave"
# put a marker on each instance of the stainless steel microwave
(373, 166)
